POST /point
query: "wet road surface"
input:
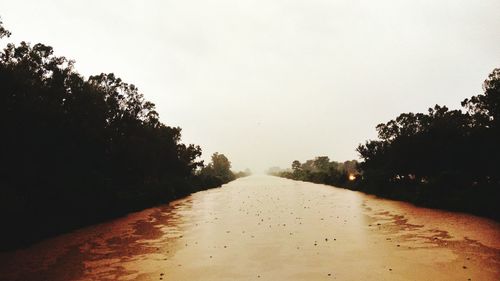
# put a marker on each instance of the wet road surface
(268, 228)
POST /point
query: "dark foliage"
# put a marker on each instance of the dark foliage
(445, 158)
(75, 151)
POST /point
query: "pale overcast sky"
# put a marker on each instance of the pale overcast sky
(267, 82)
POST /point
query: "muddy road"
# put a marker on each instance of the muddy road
(268, 228)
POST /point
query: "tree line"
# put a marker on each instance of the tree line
(321, 170)
(443, 158)
(78, 150)
(218, 171)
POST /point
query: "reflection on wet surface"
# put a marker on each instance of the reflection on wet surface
(267, 228)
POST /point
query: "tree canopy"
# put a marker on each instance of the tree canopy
(441, 154)
(76, 150)
(442, 158)
(321, 170)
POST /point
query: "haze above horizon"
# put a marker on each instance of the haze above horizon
(267, 82)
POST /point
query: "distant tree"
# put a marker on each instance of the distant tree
(222, 167)
(219, 167)
(247, 172)
(296, 169)
(322, 163)
(296, 166)
(274, 171)
(322, 170)
(308, 165)
(351, 167)
(3, 32)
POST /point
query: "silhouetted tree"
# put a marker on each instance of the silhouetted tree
(75, 150)
(3, 32)
(445, 158)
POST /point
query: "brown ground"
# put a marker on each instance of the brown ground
(267, 228)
